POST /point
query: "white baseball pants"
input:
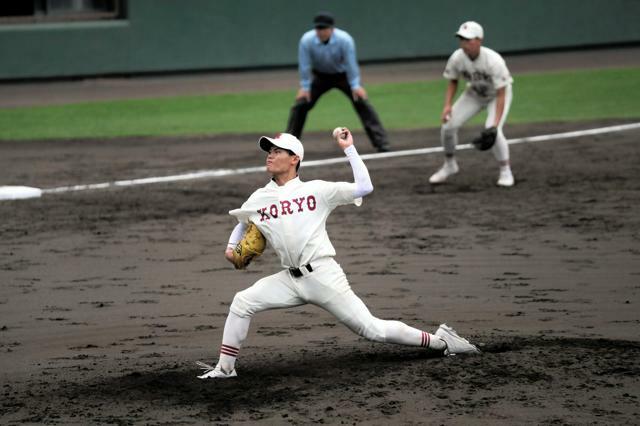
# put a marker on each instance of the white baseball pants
(468, 105)
(326, 287)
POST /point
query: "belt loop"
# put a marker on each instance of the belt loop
(297, 272)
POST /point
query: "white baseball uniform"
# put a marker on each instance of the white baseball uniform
(484, 75)
(292, 218)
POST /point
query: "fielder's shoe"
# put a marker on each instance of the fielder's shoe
(211, 372)
(506, 178)
(455, 343)
(448, 169)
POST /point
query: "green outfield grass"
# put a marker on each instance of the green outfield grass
(575, 95)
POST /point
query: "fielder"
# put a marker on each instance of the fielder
(489, 86)
(291, 214)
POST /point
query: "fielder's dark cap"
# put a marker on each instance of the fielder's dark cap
(323, 20)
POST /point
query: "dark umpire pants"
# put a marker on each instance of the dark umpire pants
(321, 84)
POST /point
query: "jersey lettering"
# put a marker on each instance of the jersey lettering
(299, 202)
(273, 210)
(263, 215)
(285, 207)
(476, 76)
(311, 202)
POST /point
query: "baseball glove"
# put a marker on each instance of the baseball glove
(252, 245)
(486, 139)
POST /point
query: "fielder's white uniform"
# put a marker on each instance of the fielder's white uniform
(484, 75)
(292, 218)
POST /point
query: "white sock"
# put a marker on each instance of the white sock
(227, 362)
(450, 162)
(402, 334)
(435, 342)
(235, 332)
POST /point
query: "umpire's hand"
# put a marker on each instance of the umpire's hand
(303, 95)
(359, 93)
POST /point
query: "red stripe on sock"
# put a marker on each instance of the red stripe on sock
(426, 339)
(225, 352)
(422, 341)
(230, 348)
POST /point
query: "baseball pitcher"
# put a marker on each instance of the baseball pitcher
(291, 215)
(488, 86)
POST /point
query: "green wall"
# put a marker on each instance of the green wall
(173, 35)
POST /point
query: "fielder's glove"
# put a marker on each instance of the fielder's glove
(486, 139)
(252, 245)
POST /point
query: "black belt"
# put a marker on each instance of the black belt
(297, 273)
(329, 74)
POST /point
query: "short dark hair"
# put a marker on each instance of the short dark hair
(323, 20)
(293, 153)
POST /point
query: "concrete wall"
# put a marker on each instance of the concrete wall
(173, 35)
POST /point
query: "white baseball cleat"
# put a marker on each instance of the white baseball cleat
(455, 344)
(216, 372)
(506, 178)
(448, 169)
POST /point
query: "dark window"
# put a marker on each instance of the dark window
(37, 11)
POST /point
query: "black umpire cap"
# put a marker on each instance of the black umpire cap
(323, 20)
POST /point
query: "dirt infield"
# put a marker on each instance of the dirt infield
(108, 297)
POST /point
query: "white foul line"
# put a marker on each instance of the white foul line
(216, 173)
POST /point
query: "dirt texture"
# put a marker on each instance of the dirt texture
(108, 297)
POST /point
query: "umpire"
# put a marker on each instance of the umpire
(327, 60)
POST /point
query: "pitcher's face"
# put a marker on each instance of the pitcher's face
(280, 160)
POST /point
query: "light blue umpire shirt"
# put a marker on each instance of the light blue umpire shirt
(336, 56)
